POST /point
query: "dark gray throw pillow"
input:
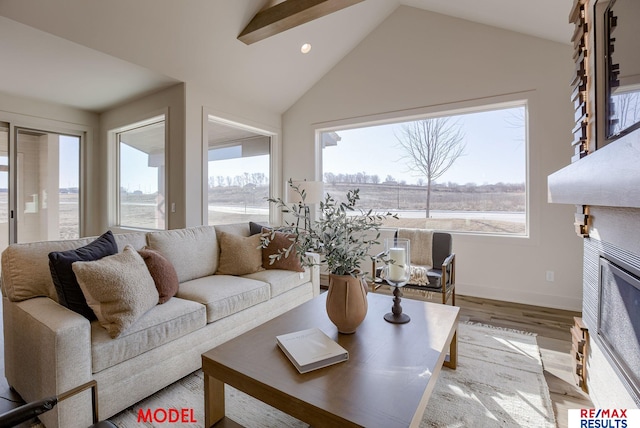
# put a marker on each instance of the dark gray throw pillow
(69, 292)
(255, 228)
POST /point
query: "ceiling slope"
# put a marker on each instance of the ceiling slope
(156, 42)
(38, 65)
(547, 19)
(196, 41)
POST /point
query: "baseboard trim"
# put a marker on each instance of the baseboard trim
(519, 296)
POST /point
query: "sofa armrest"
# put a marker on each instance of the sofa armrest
(47, 350)
(313, 261)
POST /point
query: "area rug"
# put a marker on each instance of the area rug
(499, 382)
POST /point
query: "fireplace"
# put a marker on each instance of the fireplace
(618, 325)
(602, 181)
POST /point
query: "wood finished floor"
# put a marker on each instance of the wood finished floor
(554, 340)
(553, 336)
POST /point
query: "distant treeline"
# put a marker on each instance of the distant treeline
(391, 195)
(362, 178)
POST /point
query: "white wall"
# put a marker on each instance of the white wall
(418, 60)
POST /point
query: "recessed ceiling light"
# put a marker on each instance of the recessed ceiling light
(305, 48)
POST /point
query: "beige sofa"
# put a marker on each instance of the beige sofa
(50, 349)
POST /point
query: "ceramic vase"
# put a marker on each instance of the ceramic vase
(347, 302)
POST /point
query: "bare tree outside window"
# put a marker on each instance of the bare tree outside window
(432, 146)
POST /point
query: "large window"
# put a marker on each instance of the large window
(237, 174)
(141, 175)
(461, 172)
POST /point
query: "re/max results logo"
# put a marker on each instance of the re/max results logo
(604, 418)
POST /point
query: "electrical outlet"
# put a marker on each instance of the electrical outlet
(173, 207)
(550, 276)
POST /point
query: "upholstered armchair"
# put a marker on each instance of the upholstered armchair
(433, 263)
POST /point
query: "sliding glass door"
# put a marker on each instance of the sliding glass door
(4, 185)
(39, 184)
(45, 202)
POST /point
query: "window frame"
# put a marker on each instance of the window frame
(83, 131)
(114, 138)
(523, 99)
(275, 157)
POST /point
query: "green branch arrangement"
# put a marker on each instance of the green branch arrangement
(342, 235)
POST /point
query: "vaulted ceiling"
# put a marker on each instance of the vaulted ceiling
(96, 54)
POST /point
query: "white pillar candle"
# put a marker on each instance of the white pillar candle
(397, 259)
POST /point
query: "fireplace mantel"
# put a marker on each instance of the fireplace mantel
(609, 177)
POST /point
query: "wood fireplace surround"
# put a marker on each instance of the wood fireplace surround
(603, 182)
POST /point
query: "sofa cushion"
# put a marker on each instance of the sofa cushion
(241, 229)
(69, 293)
(118, 288)
(279, 241)
(137, 240)
(224, 295)
(33, 258)
(281, 281)
(162, 324)
(192, 251)
(239, 255)
(163, 273)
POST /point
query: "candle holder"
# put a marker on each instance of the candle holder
(397, 272)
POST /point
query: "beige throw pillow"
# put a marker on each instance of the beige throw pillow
(118, 288)
(239, 255)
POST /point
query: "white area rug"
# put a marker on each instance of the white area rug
(499, 382)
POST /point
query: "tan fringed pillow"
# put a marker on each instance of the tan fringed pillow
(118, 288)
(280, 241)
(239, 255)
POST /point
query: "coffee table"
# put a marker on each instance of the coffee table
(391, 371)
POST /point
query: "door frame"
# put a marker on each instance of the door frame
(18, 122)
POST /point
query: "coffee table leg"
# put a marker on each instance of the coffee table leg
(453, 352)
(213, 400)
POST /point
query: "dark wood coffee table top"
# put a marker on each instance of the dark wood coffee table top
(391, 371)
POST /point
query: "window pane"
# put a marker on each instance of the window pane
(238, 181)
(141, 177)
(4, 185)
(464, 172)
(69, 187)
(47, 186)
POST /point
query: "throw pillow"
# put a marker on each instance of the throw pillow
(239, 255)
(255, 228)
(280, 241)
(119, 289)
(69, 292)
(163, 273)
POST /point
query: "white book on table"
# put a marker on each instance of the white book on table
(311, 349)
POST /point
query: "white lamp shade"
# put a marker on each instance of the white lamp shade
(313, 192)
